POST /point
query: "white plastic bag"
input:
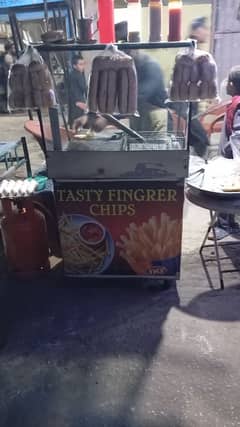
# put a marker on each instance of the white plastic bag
(30, 83)
(194, 76)
(113, 83)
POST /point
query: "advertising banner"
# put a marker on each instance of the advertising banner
(120, 228)
(17, 3)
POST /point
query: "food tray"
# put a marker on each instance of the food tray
(208, 179)
(103, 141)
(155, 141)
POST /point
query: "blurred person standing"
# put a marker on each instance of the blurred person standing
(152, 94)
(10, 54)
(77, 90)
(6, 61)
(199, 31)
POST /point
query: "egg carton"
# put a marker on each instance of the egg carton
(17, 188)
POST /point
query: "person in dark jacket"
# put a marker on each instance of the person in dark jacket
(152, 94)
(121, 31)
(150, 81)
(77, 90)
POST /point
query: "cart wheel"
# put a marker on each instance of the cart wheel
(155, 285)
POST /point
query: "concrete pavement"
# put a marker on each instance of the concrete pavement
(106, 354)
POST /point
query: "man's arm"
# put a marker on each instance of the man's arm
(8, 59)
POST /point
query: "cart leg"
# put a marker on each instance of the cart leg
(30, 114)
(213, 217)
(43, 140)
(6, 161)
(26, 155)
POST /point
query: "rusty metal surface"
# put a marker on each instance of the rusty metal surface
(162, 165)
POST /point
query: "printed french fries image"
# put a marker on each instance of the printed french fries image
(158, 239)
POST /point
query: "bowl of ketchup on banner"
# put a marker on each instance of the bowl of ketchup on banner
(92, 233)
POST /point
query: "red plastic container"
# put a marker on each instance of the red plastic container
(25, 239)
(155, 15)
(175, 20)
(106, 21)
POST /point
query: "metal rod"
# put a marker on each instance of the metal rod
(81, 9)
(56, 136)
(211, 224)
(72, 22)
(74, 19)
(26, 156)
(203, 246)
(189, 124)
(57, 96)
(18, 32)
(15, 41)
(212, 216)
(60, 18)
(46, 14)
(205, 267)
(30, 114)
(123, 127)
(122, 46)
(55, 19)
(43, 144)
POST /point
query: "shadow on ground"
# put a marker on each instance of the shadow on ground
(85, 349)
(216, 305)
(85, 356)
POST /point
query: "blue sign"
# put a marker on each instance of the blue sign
(15, 3)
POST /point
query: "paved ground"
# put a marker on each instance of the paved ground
(113, 355)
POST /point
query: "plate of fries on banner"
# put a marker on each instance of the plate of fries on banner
(87, 246)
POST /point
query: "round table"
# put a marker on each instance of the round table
(228, 205)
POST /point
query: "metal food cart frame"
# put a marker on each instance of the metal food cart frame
(63, 166)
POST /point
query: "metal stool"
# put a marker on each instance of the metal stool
(215, 205)
(12, 160)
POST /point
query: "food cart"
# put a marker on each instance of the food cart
(120, 195)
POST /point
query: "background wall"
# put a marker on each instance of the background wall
(226, 35)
